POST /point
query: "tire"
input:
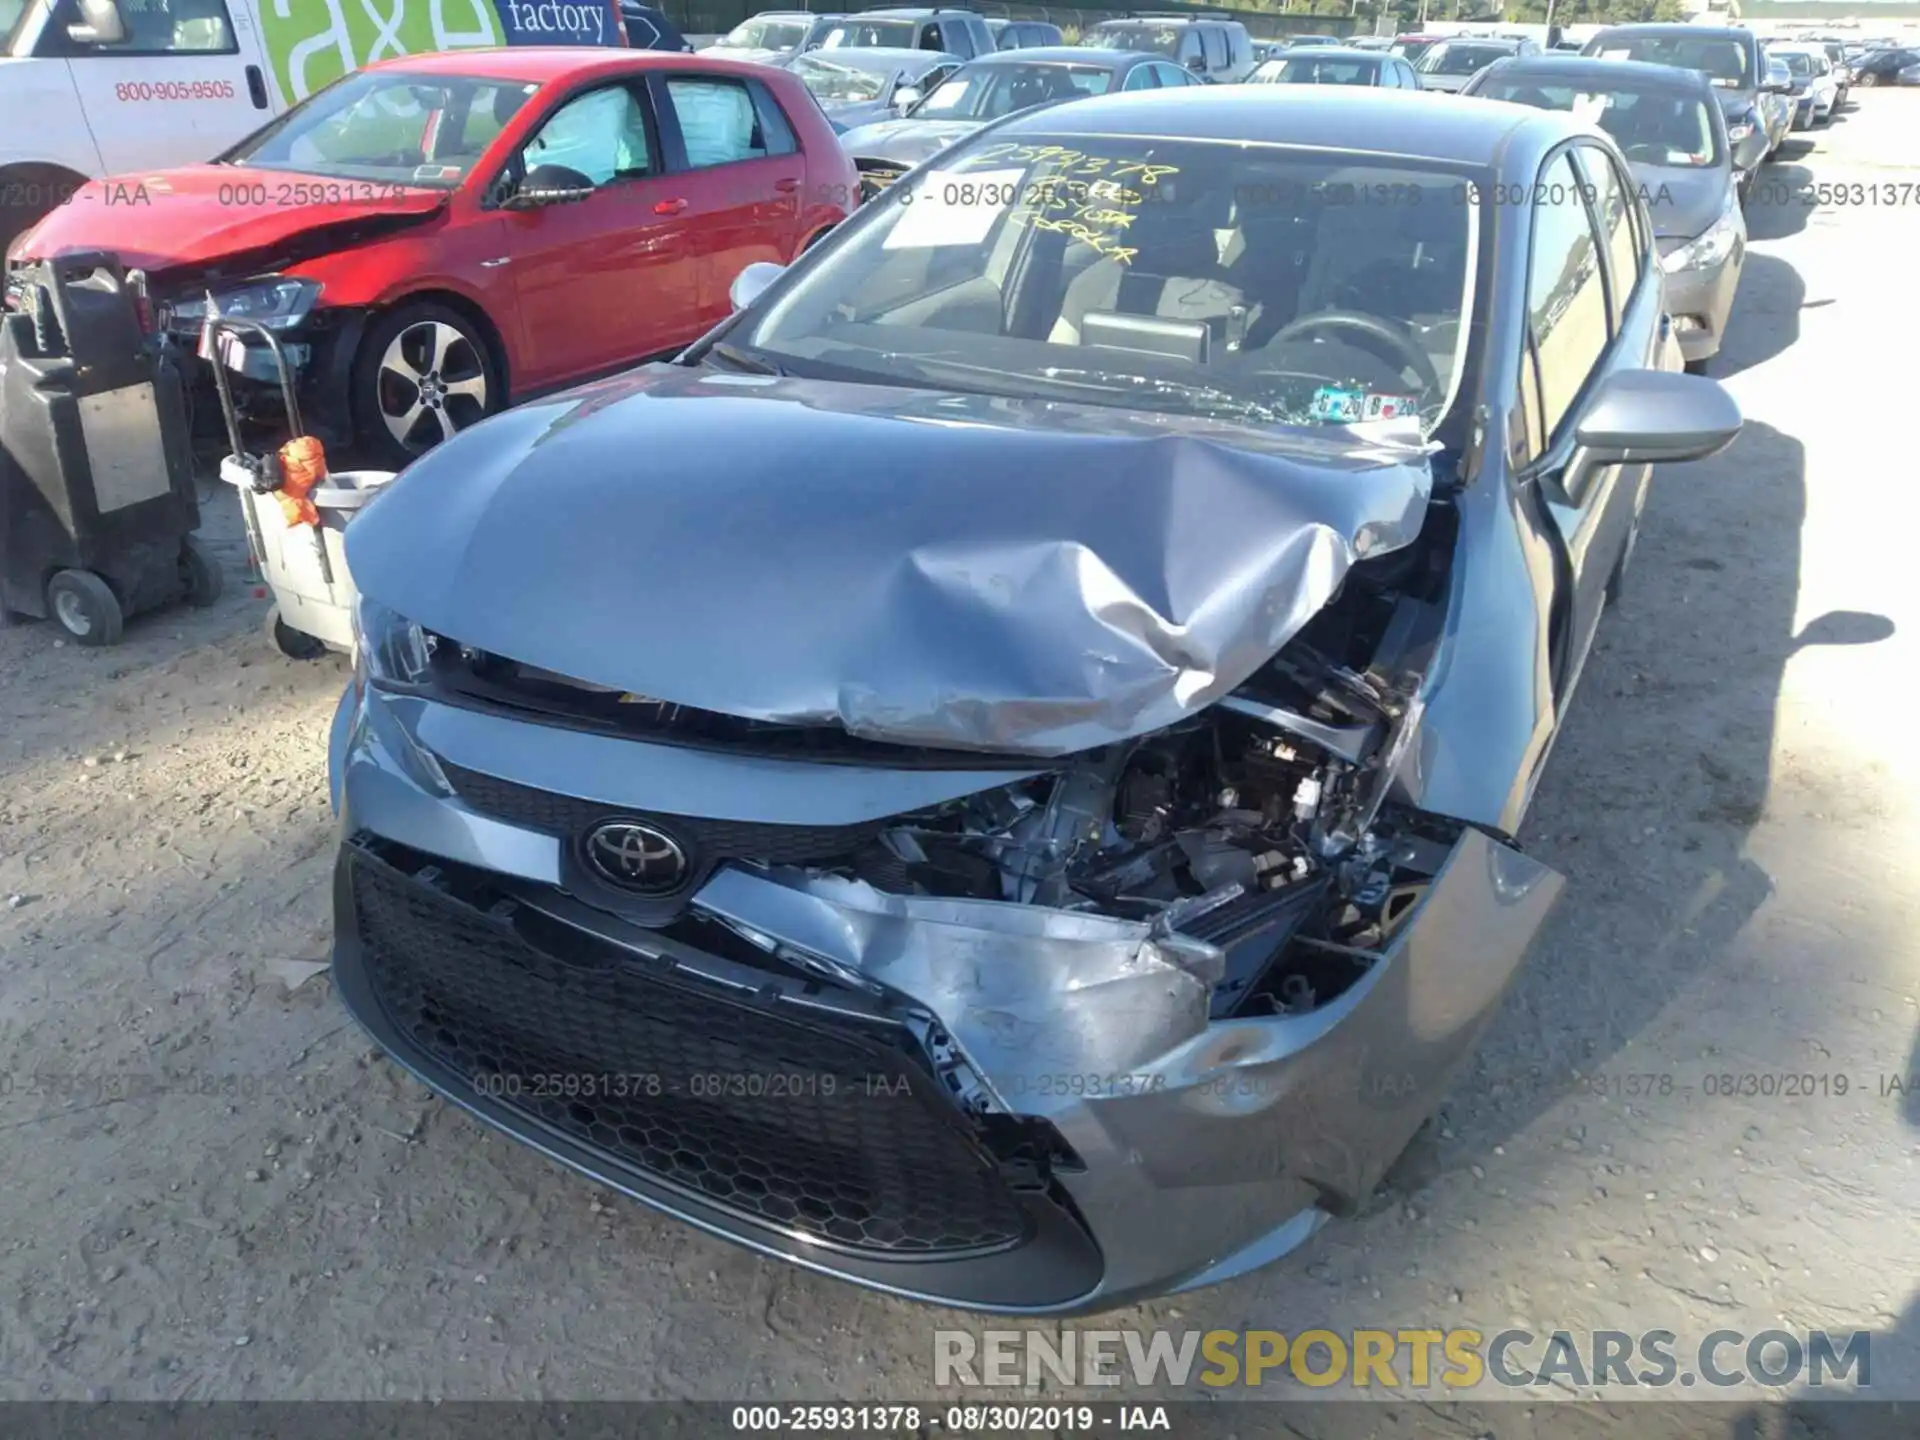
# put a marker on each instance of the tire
(200, 573)
(1867, 81)
(1696, 367)
(85, 607)
(292, 643)
(424, 371)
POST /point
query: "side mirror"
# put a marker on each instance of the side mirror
(100, 24)
(906, 97)
(1197, 64)
(751, 283)
(1657, 417)
(549, 185)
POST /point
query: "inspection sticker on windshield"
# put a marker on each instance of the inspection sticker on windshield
(1336, 406)
(947, 207)
(1389, 407)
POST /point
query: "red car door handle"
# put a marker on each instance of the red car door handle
(669, 207)
(786, 187)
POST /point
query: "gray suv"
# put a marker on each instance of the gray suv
(957, 32)
(1212, 47)
(1733, 63)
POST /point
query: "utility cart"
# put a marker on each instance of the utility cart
(298, 548)
(97, 500)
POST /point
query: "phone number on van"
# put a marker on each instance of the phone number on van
(174, 90)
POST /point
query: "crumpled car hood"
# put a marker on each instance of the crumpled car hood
(948, 570)
(906, 142)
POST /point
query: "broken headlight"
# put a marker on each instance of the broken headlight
(277, 302)
(391, 648)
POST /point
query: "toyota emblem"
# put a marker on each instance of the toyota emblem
(637, 857)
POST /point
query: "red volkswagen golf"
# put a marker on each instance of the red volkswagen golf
(436, 236)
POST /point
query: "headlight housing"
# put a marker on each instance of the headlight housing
(388, 647)
(1711, 246)
(277, 302)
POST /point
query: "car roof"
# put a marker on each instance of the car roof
(1067, 55)
(1332, 117)
(1639, 73)
(880, 55)
(1684, 32)
(537, 64)
(1327, 52)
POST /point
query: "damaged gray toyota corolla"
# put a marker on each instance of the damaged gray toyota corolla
(994, 776)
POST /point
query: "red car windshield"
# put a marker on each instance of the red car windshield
(389, 126)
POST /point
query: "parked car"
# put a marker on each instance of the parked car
(1295, 42)
(1336, 65)
(437, 235)
(859, 84)
(1451, 63)
(773, 35)
(1780, 105)
(1025, 34)
(1673, 136)
(1836, 54)
(158, 83)
(1411, 47)
(1371, 42)
(1883, 67)
(648, 28)
(1816, 94)
(952, 32)
(1217, 50)
(994, 86)
(1339, 524)
(1731, 59)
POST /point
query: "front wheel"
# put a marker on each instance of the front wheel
(1867, 82)
(424, 372)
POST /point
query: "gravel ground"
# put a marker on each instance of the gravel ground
(216, 1190)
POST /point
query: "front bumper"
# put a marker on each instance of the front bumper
(320, 353)
(1700, 302)
(1117, 1144)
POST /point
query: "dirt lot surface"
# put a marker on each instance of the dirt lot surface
(215, 1189)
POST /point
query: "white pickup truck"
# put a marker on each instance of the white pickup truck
(90, 88)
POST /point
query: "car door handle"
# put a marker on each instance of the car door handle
(495, 264)
(669, 207)
(786, 187)
(257, 87)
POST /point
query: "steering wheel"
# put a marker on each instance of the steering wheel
(1395, 337)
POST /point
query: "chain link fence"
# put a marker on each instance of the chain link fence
(716, 17)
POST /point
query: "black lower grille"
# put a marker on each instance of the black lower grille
(713, 840)
(832, 1134)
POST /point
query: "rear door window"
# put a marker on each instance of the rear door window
(1215, 41)
(718, 122)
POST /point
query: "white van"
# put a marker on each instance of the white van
(114, 87)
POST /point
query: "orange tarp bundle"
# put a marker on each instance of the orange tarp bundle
(303, 465)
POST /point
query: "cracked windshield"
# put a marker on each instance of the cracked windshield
(1180, 276)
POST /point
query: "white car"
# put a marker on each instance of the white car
(1816, 87)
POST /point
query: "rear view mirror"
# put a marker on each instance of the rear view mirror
(1657, 417)
(549, 185)
(751, 283)
(100, 24)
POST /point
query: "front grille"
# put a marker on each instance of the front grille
(822, 1131)
(712, 840)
